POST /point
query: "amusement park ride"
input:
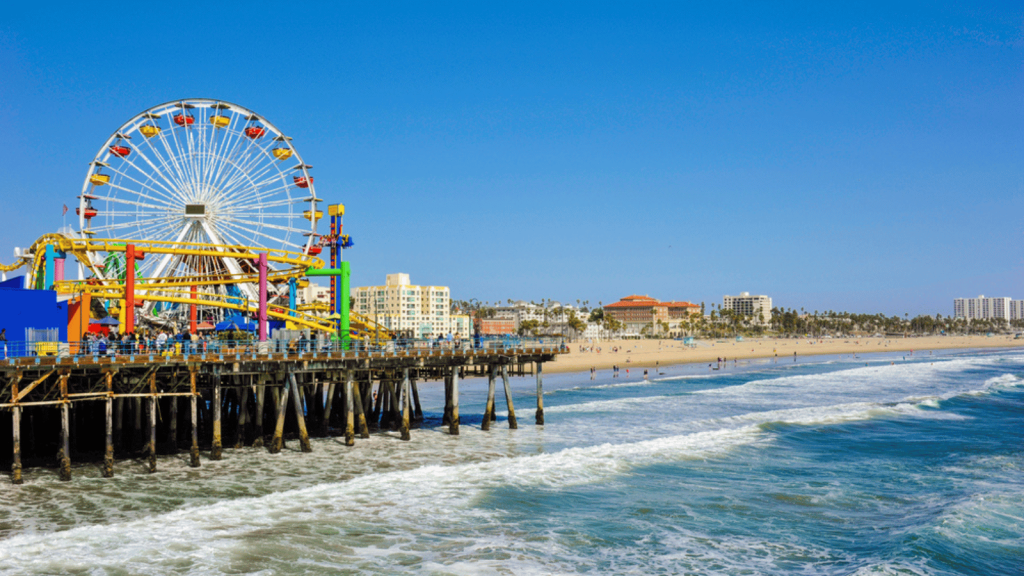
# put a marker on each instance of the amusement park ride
(197, 209)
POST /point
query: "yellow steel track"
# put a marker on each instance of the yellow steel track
(169, 290)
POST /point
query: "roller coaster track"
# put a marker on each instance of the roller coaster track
(170, 290)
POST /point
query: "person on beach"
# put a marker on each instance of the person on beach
(645, 373)
(3, 341)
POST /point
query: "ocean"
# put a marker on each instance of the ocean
(885, 464)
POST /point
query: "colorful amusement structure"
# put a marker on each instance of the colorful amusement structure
(193, 210)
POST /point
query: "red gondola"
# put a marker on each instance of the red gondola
(314, 250)
(302, 182)
(89, 212)
(255, 132)
(183, 120)
(120, 151)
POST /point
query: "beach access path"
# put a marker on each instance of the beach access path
(648, 353)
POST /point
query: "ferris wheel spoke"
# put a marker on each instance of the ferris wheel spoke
(247, 231)
(192, 158)
(130, 202)
(182, 155)
(284, 202)
(247, 197)
(173, 156)
(129, 225)
(166, 169)
(233, 214)
(118, 186)
(166, 193)
(228, 149)
(251, 177)
(246, 169)
(163, 233)
(244, 166)
(288, 229)
(132, 213)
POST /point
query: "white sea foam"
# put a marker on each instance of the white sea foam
(429, 495)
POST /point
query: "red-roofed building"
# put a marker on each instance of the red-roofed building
(636, 311)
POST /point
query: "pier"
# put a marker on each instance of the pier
(90, 408)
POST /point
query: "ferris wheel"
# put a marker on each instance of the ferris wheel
(200, 171)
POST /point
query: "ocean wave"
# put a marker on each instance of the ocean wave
(202, 538)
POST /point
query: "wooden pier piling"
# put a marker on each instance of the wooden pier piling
(453, 426)
(540, 393)
(405, 405)
(329, 407)
(360, 404)
(16, 440)
(243, 417)
(277, 442)
(350, 416)
(193, 458)
(152, 423)
(489, 407)
(508, 399)
(64, 455)
(217, 447)
(172, 427)
(258, 428)
(304, 444)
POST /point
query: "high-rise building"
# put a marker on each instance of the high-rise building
(408, 309)
(757, 307)
(1016, 309)
(982, 308)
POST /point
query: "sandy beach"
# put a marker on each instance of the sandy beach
(644, 353)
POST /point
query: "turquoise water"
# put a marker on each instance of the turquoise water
(833, 466)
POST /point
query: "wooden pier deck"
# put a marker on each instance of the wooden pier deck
(98, 408)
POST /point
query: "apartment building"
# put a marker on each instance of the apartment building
(982, 308)
(409, 309)
(1016, 309)
(756, 307)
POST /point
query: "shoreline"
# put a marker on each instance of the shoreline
(662, 353)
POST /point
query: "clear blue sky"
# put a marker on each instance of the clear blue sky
(867, 158)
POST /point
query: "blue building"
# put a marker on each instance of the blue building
(21, 309)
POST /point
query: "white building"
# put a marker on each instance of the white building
(557, 315)
(747, 305)
(982, 308)
(313, 293)
(419, 311)
(1016, 309)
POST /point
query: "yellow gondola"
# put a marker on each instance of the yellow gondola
(309, 214)
(282, 153)
(149, 130)
(220, 121)
(99, 179)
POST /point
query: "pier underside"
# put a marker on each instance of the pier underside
(98, 408)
